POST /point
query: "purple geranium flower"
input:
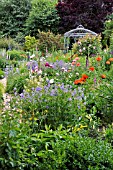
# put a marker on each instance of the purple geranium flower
(38, 89)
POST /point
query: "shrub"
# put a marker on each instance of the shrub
(17, 80)
(30, 43)
(8, 44)
(48, 149)
(108, 30)
(17, 55)
(3, 62)
(49, 41)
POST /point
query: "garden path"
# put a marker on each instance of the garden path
(6, 97)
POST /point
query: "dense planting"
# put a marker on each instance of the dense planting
(56, 108)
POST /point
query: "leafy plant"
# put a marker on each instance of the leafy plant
(108, 30)
(1, 74)
(49, 41)
(1, 93)
(17, 80)
(3, 62)
(17, 55)
(30, 43)
(8, 44)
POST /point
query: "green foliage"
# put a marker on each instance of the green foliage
(88, 45)
(48, 149)
(108, 134)
(30, 43)
(106, 104)
(111, 42)
(1, 74)
(13, 15)
(43, 16)
(17, 55)
(3, 62)
(17, 80)
(1, 93)
(8, 44)
(49, 41)
(108, 30)
(100, 101)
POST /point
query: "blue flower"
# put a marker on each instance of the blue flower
(38, 89)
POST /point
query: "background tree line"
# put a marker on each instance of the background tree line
(26, 17)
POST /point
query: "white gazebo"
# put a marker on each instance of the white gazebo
(75, 34)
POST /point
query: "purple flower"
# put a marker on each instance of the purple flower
(53, 93)
(69, 99)
(48, 65)
(73, 93)
(38, 89)
(94, 80)
(22, 95)
(111, 52)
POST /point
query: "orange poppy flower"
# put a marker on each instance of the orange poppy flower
(84, 76)
(103, 76)
(91, 68)
(98, 58)
(82, 79)
(108, 62)
(79, 81)
(110, 59)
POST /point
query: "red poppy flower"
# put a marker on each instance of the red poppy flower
(91, 68)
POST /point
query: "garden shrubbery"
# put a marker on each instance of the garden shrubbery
(48, 149)
(17, 55)
(57, 113)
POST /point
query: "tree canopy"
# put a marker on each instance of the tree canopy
(13, 14)
(91, 14)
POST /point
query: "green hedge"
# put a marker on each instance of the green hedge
(54, 150)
